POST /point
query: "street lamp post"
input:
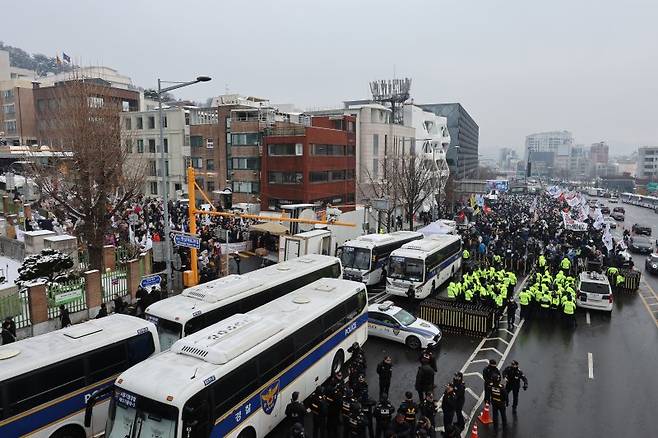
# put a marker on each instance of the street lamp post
(165, 174)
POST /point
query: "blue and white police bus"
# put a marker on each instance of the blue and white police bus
(200, 306)
(364, 258)
(46, 380)
(234, 378)
(423, 265)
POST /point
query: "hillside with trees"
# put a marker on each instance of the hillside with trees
(38, 62)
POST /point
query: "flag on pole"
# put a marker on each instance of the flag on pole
(66, 57)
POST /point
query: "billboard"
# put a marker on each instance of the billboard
(502, 185)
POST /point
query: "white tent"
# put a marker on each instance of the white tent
(437, 227)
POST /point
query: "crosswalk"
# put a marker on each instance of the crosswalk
(650, 299)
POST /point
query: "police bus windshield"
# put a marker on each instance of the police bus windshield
(404, 268)
(356, 258)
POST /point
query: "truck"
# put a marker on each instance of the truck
(318, 241)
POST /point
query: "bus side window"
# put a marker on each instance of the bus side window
(196, 415)
(335, 270)
(107, 361)
(235, 386)
(194, 325)
(139, 348)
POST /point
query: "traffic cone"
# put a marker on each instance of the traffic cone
(485, 416)
(474, 432)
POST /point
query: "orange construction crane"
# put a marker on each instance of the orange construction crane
(191, 277)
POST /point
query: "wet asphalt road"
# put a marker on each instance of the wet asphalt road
(620, 398)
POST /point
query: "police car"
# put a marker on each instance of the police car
(391, 322)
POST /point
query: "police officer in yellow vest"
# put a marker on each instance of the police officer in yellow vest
(569, 310)
(524, 300)
(565, 264)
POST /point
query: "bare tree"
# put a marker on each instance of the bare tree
(90, 178)
(374, 187)
(414, 180)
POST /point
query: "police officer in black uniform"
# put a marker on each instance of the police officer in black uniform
(357, 422)
(385, 371)
(319, 408)
(346, 404)
(489, 374)
(460, 396)
(513, 375)
(498, 401)
(429, 407)
(409, 409)
(334, 398)
(383, 413)
(360, 388)
(295, 410)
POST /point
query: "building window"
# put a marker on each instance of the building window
(128, 123)
(151, 145)
(228, 138)
(332, 149)
(186, 140)
(196, 141)
(197, 162)
(210, 186)
(166, 145)
(154, 187)
(315, 177)
(210, 164)
(337, 175)
(152, 170)
(375, 167)
(140, 123)
(167, 167)
(210, 143)
(178, 186)
(245, 139)
(246, 187)
(140, 146)
(349, 174)
(284, 177)
(129, 145)
(151, 122)
(375, 145)
(187, 118)
(285, 149)
(41, 104)
(246, 163)
(10, 126)
(164, 121)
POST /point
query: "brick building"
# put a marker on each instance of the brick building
(309, 164)
(49, 100)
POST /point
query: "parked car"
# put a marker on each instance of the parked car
(651, 264)
(605, 209)
(640, 245)
(618, 216)
(641, 229)
(610, 221)
(619, 210)
(614, 199)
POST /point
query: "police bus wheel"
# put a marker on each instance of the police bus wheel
(247, 433)
(337, 363)
(413, 343)
(69, 432)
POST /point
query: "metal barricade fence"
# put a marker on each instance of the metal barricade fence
(16, 307)
(114, 283)
(457, 317)
(71, 294)
(631, 282)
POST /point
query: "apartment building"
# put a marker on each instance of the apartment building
(647, 163)
(313, 163)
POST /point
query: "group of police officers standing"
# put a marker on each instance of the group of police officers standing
(343, 408)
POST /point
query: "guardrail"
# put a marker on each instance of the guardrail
(631, 282)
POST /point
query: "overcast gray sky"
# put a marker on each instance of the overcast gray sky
(517, 66)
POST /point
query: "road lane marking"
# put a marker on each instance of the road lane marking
(492, 349)
(587, 318)
(590, 365)
(498, 339)
(644, 301)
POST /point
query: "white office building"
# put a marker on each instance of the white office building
(647, 162)
(140, 132)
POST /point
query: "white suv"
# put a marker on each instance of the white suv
(594, 292)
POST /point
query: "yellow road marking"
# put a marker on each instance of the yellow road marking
(644, 301)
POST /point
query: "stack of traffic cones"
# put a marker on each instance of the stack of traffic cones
(485, 416)
(474, 432)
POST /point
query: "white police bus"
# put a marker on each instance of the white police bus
(46, 380)
(364, 258)
(200, 306)
(234, 378)
(424, 265)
